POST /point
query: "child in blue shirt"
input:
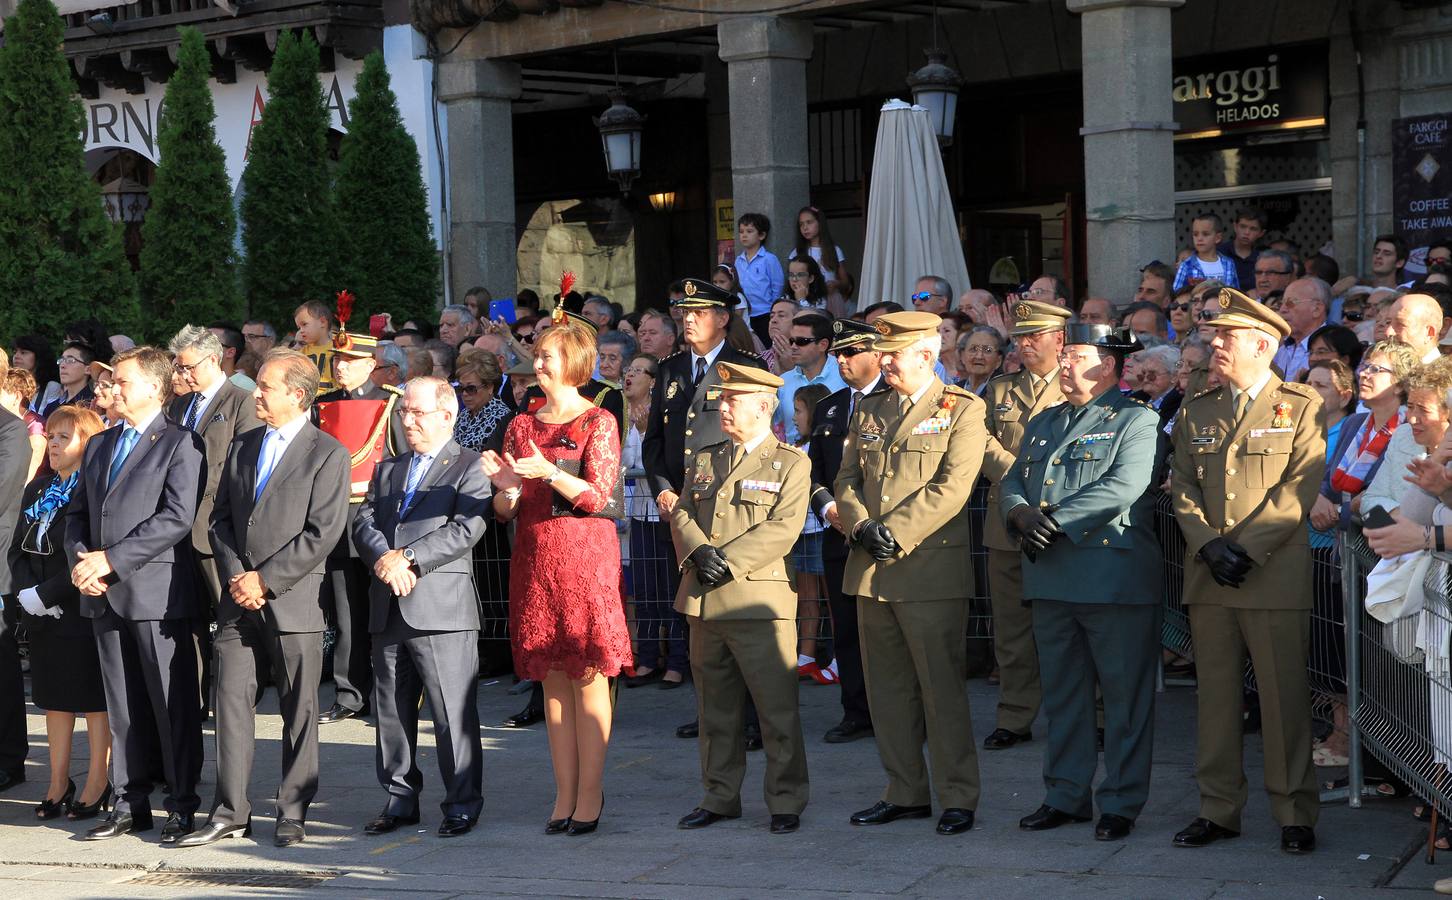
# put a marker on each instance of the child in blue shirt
(1207, 230)
(758, 271)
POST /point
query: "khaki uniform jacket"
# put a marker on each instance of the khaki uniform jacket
(753, 515)
(914, 473)
(1253, 483)
(1011, 404)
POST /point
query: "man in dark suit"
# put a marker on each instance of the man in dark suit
(861, 368)
(348, 577)
(281, 506)
(14, 462)
(425, 511)
(128, 538)
(217, 410)
(684, 413)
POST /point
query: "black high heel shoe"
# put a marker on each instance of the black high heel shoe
(51, 809)
(578, 827)
(79, 811)
(557, 826)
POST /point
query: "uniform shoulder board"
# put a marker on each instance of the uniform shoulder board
(959, 391)
(1205, 393)
(1302, 390)
(671, 356)
(790, 448)
(750, 354)
(392, 389)
(1005, 378)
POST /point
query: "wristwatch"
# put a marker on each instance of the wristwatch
(550, 478)
(408, 555)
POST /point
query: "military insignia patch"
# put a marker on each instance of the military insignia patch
(1282, 417)
(690, 288)
(671, 390)
(882, 327)
(1022, 311)
(1224, 301)
(831, 411)
(837, 327)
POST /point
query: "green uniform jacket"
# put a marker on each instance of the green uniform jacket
(914, 473)
(1253, 483)
(753, 515)
(1011, 405)
(1090, 469)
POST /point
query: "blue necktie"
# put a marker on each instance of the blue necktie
(267, 460)
(129, 436)
(416, 470)
(192, 412)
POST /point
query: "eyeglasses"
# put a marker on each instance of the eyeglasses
(1272, 271)
(418, 413)
(70, 359)
(803, 341)
(1372, 369)
(979, 350)
(470, 389)
(799, 276)
(184, 369)
(641, 373)
(1206, 315)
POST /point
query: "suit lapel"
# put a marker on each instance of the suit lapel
(252, 443)
(446, 456)
(143, 446)
(293, 456)
(213, 408)
(1023, 389)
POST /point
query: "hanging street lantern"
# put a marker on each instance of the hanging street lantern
(935, 88)
(620, 128)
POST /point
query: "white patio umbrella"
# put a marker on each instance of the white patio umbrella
(911, 230)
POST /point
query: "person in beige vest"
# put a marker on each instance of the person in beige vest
(908, 467)
(1013, 400)
(740, 511)
(1248, 460)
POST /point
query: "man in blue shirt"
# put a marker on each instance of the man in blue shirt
(811, 335)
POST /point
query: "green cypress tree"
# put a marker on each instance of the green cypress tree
(188, 269)
(61, 258)
(287, 215)
(389, 260)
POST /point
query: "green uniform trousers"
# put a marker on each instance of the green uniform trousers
(1276, 640)
(1019, 693)
(728, 659)
(914, 656)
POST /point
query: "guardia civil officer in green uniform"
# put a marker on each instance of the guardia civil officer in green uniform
(1076, 502)
(908, 468)
(741, 510)
(1247, 459)
(1013, 400)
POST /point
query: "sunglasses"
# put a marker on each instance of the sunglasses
(803, 341)
(920, 296)
(1206, 315)
(1352, 316)
(526, 338)
(850, 352)
(470, 389)
(1181, 307)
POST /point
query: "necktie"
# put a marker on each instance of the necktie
(416, 471)
(192, 412)
(856, 399)
(1242, 403)
(129, 436)
(700, 370)
(904, 403)
(267, 460)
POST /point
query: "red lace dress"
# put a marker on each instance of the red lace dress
(565, 612)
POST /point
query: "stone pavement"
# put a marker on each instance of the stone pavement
(653, 780)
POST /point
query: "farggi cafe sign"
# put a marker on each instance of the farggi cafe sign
(1253, 90)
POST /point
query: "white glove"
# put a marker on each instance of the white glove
(30, 601)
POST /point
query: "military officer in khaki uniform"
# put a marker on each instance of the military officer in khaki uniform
(1248, 457)
(741, 508)
(1012, 401)
(908, 468)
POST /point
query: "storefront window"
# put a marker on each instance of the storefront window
(1199, 167)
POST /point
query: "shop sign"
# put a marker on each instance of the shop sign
(1422, 183)
(725, 220)
(1255, 90)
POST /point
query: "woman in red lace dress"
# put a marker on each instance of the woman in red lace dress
(566, 621)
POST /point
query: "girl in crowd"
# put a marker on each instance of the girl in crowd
(724, 277)
(15, 395)
(75, 377)
(65, 670)
(34, 355)
(980, 357)
(556, 478)
(804, 284)
(814, 241)
(807, 555)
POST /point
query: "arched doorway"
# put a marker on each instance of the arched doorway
(125, 178)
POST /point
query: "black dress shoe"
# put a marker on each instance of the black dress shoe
(955, 820)
(785, 823)
(387, 822)
(454, 826)
(530, 715)
(9, 780)
(1113, 828)
(689, 731)
(752, 736)
(700, 818)
(667, 684)
(288, 832)
(1046, 817)
(578, 828)
(178, 825)
(338, 712)
(882, 812)
(212, 832)
(1002, 739)
(1298, 839)
(847, 731)
(1201, 832)
(119, 823)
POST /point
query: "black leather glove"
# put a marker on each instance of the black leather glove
(710, 565)
(1036, 529)
(877, 540)
(1228, 562)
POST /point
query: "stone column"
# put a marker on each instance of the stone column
(766, 71)
(1129, 170)
(478, 96)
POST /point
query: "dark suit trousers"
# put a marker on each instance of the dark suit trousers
(408, 665)
(149, 670)
(13, 741)
(1117, 645)
(846, 646)
(352, 662)
(244, 647)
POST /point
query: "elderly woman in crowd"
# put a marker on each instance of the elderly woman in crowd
(65, 670)
(980, 357)
(1182, 312)
(15, 396)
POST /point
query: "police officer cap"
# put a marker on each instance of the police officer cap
(702, 294)
(1032, 317)
(1105, 337)
(1236, 310)
(852, 333)
(746, 379)
(560, 316)
(898, 330)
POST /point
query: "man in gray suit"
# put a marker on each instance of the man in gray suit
(282, 504)
(128, 539)
(424, 512)
(217, 411)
